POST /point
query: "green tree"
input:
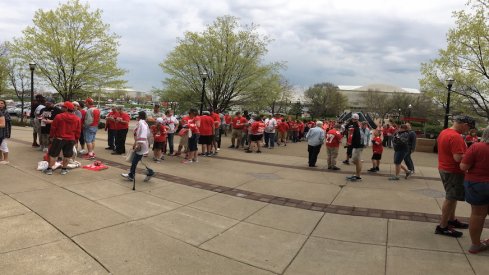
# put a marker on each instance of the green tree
(73, 49)
(3, 68)
(324, 100)
(466, 59)
(232, 57)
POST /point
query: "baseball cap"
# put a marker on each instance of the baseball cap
(68, 105)
(355, 116)
(89, 101)
(465, 119)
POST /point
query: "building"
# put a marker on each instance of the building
(356, 94)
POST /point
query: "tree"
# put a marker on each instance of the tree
(231, 55)
(73, 49)
(324, 100)
(466, 59)
(3, 67)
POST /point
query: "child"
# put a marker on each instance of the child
(472, 137)
(159, 132)
(377, 149)
(333, 140)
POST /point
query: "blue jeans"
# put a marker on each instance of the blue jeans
(269, 139)
(409, 161)
(170, 142)
(134, 164)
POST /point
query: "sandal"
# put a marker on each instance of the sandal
(474, 249)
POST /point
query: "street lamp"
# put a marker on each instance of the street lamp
(447, 109)
(399, 114)
(32, 67)
(204, 77)
(409, 110)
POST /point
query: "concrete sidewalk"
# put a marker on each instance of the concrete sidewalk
(235, 213)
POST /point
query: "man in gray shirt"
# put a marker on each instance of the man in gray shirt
(315, 139)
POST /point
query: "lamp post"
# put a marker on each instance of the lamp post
(409, 110)
(447, 109)
(32, 67)
(204, 78)
(399, 114)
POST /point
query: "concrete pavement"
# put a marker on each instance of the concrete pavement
(235, 213)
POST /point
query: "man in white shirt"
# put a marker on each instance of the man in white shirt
(172, 122)
(270, 126)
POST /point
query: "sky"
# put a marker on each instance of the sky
(345, 42)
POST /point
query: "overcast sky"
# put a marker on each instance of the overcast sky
(346, 42)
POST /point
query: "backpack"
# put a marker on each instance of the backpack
(400, 139)
(88, 118)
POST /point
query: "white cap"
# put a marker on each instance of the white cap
(355, 116)
(159, 120)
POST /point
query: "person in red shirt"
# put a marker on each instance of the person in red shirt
(256, 136)
(227, 123)
(65, 130)
(476, 163)
(183, 134)
(216, 139)
(206, 130)
(333, 140)
(451, 148)
(300, 129)
(110, 129)
(193, 126)
(377, 150)
(90, 124)
(159, 132)
(385, 139)
(121, 124)
(472, 137)
(390, 134)
(283, 128)
(237, 124)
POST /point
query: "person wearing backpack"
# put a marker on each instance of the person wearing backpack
(400, 142)
(90, 126)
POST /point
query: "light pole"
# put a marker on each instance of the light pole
(32, 67)
(204, 78)
(409, 110)
(399, 115)
(447, 109)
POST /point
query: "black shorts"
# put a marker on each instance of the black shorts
(158, 145)
(256, 137)
(192, 142)
(377, 156)
(61, 144)
(205, 140)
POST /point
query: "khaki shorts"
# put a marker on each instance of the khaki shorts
(183, 141)
(454, 185)
(356, 154)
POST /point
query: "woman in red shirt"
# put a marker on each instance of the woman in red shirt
(257, 130)
(476, 183)
(194, 133)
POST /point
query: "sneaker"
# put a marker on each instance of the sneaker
(48, 171)
(474, 249)
(394, 178)
(82, 151)
(330, 167)
(187, 161)
(4, 162)
(64, 171)
(35, 145)
(45, 150)
(149, 173)
(458, 224)
(218, 149)
(127, 176)
(335, 168)
(373, 170)
(258, 151)
(353, 178)
(408, 173)
(346, 162)
(377, 168)
(447, 231)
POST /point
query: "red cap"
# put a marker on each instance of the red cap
(68, 105)
(89, 101)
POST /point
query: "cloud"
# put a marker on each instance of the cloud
(347, 42)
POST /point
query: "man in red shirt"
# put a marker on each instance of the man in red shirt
(121, 122)
(256, 134)
(206, 130)
(110, 129)
(451, 148)
(193, 126)
(65, 130)
(282, 127)
(237, 124)
(333, 140)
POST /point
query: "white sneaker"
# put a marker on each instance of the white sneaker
(64, 171)
(82, 151)
(127, 177)
(4, 162)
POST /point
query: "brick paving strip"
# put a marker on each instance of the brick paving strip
(290, 202)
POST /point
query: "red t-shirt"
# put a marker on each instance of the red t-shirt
(391, 130)
(377, 147)
(282, 127)
(159, 133)
(192, 124)
(293, 126)
(471, 139)
(258, 128)
(217, 120)
(238, 122)
(478, 156)
(450, 142)
(125, 117)
(227, 119)
(206, 123)
(109, 123)
(333, 138)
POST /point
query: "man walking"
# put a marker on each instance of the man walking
(315, 139)
(451, 148)
(412, 146)
(357, 143)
